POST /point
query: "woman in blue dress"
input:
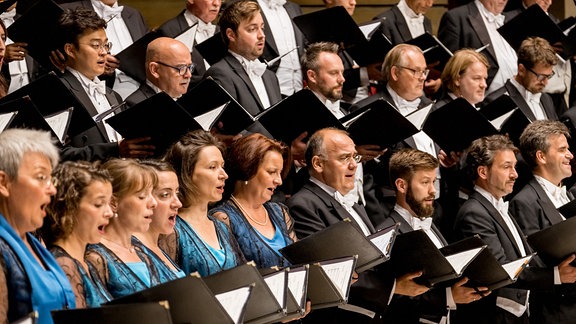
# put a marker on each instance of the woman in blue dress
(30, 278)
(114, 259)
(163, 220)
(256, 165)
(77, 216)
(200, 243)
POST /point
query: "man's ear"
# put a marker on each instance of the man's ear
(153, 68)
(4, 184)
(540, 157)
(317, 164)
(311, 76)
(394, 70)
(70, 50)
(231, 35)
(401, 185)
(482, 172)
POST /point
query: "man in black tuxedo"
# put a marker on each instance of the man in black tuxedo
(85, 47)
(240, 72)
(168, 68)
(332, 161)
(199, 12)
(491, 161)
(413, 173)
(544, 147)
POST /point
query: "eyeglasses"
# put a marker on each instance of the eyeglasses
(180, 68)
(100, 46)
(541, 77)
(47, 180)
(417, 73)
(349, 158)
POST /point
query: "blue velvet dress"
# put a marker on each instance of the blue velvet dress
(92, 290)
(193, 254)
(164, 272)
(30, 286)
(252, 244)
(119, 279)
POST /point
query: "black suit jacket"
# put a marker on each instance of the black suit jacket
(395, 27)
(534, 211)
(463, 27)
(552, 112)
(313, 209)
(230, 74)
(430, 305)
(93, 144)
(478, 216)
(142, 93)
(175, 27)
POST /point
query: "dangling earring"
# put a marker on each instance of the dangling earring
(246, 182)
(115, 215)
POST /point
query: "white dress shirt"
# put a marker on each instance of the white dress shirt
(414, 21)
(557, 194)
(289, 71)
(505, 54)
(255, 69)
(198, 34)
(532, 99)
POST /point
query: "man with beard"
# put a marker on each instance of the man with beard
(491, 163)
(332, 160)
(413, 173)
(240, 72)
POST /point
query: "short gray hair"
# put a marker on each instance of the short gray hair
(14, 143)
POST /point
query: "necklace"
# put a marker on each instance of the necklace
(130, 249)
(248, 215)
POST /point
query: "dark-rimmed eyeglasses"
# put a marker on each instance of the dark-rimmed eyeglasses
(417, 73)
(541, 77)
(180, 68)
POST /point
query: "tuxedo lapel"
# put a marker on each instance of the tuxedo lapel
(544, 201)
(401, 24)
(519, 100)
(494, 213)
(479, 28)
(239, 70)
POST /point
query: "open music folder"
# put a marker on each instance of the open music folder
(414, 251)
(329, 281)
(340, 240)
(139, 313)
(262, 306)
(31, 318)
(192, 301)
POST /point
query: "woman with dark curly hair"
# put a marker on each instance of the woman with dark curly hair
(77, 216)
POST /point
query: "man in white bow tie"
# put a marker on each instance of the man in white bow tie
(536, 60)
(491, 161)
(240, 72)
(413, 173)
(545, 149)
(124, 25)
(475, 25)
(85, 47)
(201, 13)
(332, 160)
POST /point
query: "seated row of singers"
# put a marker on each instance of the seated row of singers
(125, 225)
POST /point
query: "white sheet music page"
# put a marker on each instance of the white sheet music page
(368, 29)
(5, 119)
(499, 121)
(296, 285)
(187, 37)
(59, 122)
(418, 117)
(276, 283)
(206, 120)
(340, 274)
(382, 242)
(513, 268)
(459, 260)
(234, 301)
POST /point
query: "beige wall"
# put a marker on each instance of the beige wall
(158, 11)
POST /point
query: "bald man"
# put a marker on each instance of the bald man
(168, 68)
